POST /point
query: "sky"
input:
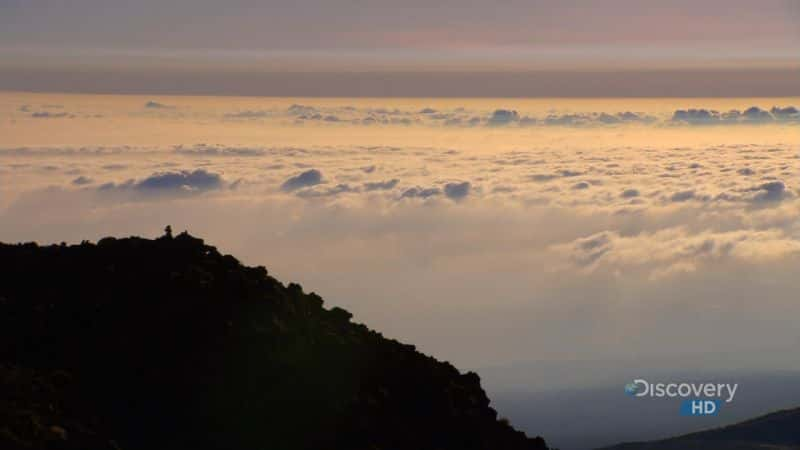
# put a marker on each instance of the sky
(384, 48)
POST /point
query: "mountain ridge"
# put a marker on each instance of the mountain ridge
(779, 430)
(167, 343)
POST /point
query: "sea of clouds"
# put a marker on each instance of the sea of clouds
(550, 250)
(463, 117)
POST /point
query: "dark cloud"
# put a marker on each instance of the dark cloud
(588, 250)
(566, 173)
(503, 189)
(49, 115)
(580, 186)
(301, 110)
(248, 114)
(773, 191)
(787, 113)
(381, 185)
(185, 181)
(566, 120)
(752, 115)
(114, 167)
(746, 171)
(418, 192)
(603, 118)
(331, 118)
(696, 116)
(756, 114)
(628, 116)
(608, 119)
(457, 191)
(308, 178)
(542, 177)
(116, 187)
(155, 105)
(507, 117)
(160, 183)
(81, 180)
(503, 117)
(682, 196)
(629, 193)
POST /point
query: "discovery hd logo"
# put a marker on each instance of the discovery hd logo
(700, 399)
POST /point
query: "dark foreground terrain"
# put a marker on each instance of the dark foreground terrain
(168, 344)
(776, 431)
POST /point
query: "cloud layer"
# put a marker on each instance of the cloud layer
(614, 231)
(501, 117)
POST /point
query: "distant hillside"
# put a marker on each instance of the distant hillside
(776, 431)
(606, 417)
(168, 344)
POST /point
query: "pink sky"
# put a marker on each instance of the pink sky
(321, 36)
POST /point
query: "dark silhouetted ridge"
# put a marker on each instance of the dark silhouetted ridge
(168, 344)
(776, 431)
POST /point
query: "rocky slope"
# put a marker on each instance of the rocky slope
(147, 344)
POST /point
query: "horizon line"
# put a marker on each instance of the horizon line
(700, 83)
